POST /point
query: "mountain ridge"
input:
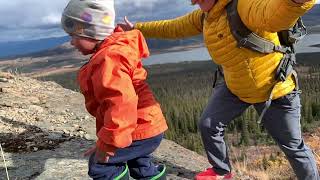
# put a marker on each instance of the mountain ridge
(311, 20)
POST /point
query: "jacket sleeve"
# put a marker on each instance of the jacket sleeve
(112, 86)
(271, 15)
(181, 27)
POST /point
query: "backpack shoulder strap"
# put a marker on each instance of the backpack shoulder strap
(291, 36)
(203, 16)
(244, 36)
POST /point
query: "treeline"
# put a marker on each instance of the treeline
(183, 90)
(184, 93)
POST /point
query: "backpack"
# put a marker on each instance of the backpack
(248, 39)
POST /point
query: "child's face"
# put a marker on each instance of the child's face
(84, 45)
(205, 5)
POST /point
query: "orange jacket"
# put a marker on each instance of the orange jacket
(116, 94)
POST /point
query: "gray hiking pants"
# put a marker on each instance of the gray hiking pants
(282, 121)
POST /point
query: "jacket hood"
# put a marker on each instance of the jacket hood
(133, 40)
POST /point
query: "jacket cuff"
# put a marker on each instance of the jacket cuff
(109, 149)
(138, 25)
(135, 26)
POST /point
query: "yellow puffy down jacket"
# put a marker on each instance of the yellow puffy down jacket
(248, 74)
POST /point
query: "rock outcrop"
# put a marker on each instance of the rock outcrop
(45, 130)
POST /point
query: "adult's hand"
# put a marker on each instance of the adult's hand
(126, 25)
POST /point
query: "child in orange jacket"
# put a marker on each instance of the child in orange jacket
(129, 121)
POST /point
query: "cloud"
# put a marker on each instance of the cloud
(140, 10)
(35, 19)
(30, 13)
(140, 3)
(30, 19)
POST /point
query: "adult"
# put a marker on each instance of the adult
(249, 77)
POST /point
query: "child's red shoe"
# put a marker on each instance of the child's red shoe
(210, 174)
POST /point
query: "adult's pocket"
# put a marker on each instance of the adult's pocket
(292, 99)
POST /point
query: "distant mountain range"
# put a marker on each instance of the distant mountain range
(50, 56)
(12, 50)
(312, 18)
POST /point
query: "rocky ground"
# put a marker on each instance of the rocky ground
(45, 130)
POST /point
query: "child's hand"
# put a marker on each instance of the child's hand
(90, 151)
(127, 25)
(100, 156)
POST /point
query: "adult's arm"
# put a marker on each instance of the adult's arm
(181, 27)
(272, 15)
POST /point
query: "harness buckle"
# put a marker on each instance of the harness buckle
(242, 42)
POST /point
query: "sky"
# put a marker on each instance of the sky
(22, 20)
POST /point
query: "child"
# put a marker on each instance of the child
(129, 121)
